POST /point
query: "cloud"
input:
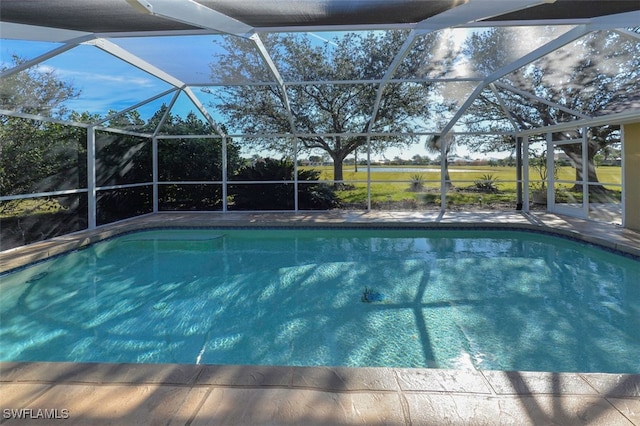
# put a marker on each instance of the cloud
(122, 79)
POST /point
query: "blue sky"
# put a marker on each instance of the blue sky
(100, 76)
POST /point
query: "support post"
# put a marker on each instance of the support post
(443, 176)
(154, 159)
(585, 173)
(368, 173)
(295, 173)
(91, 178)
(525, 168)
(518, 173)
(224, 174)
(551, 182)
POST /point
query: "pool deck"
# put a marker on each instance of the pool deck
(92, 393)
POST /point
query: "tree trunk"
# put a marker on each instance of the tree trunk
(355, 160)
(338, 162)
(337, 170)
(592, 177)
(447, 178)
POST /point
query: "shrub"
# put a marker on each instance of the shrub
(312, 195)
(487, 183)
(417, 183)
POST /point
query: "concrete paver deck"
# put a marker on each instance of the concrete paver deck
(98, 393)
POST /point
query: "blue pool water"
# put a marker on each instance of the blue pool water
(411, 298)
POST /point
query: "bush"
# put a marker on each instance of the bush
(279, 196)
(417, 183)
(487, 183)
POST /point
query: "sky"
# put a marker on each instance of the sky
(96, 74)
(99, 76)
(192, 59)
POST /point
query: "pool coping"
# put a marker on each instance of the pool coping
(613, 238)
(95, 393)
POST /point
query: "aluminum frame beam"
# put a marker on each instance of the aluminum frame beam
(175, 97)
(130, 58)
(619, 20)
(266, 57)
(616, 118)
(192, 13)
(472, 11)
(539, 99)
(376, 81)
(538, 53)
(136, 106)
(476, 10)
(611, 22)
(393, 67)
(47, 55)
(504, 108)
(10, 30)
(196, 102)
(273, 69)
(628, 34)
(11, 113)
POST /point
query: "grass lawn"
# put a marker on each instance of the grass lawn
(394, 186)
(29, 220)
(28, 207)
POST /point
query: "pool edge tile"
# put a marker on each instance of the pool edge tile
(619, 239)
(70, 372)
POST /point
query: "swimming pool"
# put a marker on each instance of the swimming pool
(501, 300)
